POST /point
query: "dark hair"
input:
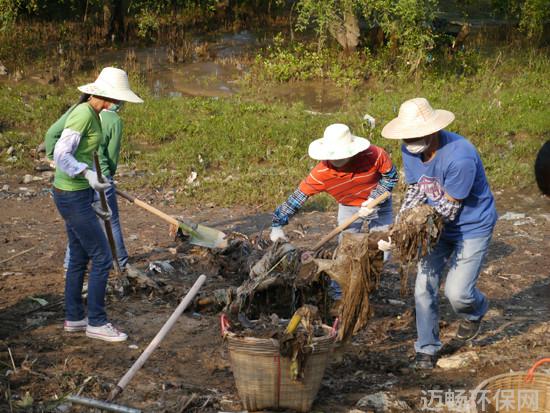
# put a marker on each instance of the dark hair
(542, 168)
(83, 98)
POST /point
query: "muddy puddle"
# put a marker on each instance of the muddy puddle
(201, 66)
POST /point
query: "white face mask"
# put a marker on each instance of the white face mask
(417, 147)
(339, 162)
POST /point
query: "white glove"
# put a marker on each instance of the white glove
(366, 212)
(100, 212)
(91, 176)
(277, 233)
(384, 245)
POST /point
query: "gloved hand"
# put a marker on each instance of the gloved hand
(100, 212)
(91, 176)
(366, 212)
(384, 245)
(277, 233)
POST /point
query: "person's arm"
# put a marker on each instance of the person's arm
(289, 208)
(54, 133)
(386, 183)
(414, 196)
(64, 153)
(448, 207)
(110, 148)
(459, 180)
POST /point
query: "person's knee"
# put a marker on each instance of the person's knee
(422, 296)
(460, 300)
(103, 261)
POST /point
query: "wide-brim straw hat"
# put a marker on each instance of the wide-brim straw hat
(337, 143)
(111, 83)
(417, 118)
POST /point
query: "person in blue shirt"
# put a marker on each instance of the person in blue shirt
(445, 170)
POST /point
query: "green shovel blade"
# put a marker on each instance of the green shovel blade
(204, 236)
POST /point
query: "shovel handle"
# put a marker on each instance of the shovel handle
(148, 207)
(107, 223)
(349, 221)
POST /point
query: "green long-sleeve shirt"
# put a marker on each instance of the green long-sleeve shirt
(109, 150)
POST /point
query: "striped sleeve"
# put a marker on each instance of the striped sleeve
(389, 174)
(288, 209)
(314, 183)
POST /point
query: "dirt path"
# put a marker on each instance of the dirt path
(193, 358)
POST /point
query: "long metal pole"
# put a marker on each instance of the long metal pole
(158, 338)
(98, 404)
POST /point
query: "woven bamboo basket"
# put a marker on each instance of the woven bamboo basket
(262, 375)
(517, 392)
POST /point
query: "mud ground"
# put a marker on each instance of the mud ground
(193, 358)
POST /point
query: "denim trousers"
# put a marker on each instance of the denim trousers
(122, 254)
(382, 220)
(464, 259)
(87, 241)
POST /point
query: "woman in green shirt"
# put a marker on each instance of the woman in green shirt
(75, 184)
(109, 153)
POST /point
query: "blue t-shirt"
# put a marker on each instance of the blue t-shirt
(456, 169)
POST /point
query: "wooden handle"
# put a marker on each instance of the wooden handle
(349, 221)
(149, 208)
(125, 195)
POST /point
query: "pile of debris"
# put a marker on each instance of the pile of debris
(413, 235)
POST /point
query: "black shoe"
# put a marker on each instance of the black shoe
(468, 330)
(423, 361)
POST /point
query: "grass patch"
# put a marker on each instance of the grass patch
(250, 153)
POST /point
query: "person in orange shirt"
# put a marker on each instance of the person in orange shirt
(353, 172)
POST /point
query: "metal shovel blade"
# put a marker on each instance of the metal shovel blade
(204, 236)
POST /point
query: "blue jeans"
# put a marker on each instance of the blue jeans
(464, 258)
(380, 223)
(122, 254)
(87, 242)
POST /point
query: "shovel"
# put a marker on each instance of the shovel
(198, 234)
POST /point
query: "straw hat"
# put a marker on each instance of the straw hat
(416, 119)
(112, 83)
(337, 143)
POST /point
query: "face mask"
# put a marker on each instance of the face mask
(417, 147)
(115, 107)
(339, 162)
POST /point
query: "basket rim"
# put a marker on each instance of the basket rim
(231, 335)
(485, 382)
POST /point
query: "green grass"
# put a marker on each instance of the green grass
(251, 153)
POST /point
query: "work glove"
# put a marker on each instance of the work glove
(100, 212)
(368, 213)
(277, 233)
(91, 177)
(384, 245)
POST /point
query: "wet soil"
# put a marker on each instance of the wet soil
(193, 358)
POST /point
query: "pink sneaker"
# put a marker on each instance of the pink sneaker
(106, 332)
(72, 326)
